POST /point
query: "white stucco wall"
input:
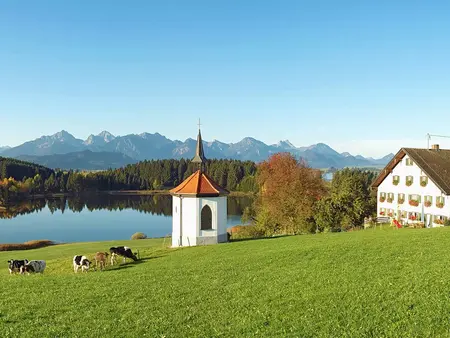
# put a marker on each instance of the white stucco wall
(187, 212)
(402, 170)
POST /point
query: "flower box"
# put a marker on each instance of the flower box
(382, 199)
(412, 217)
(409, 183)
(382, 213)
(423, 183)
(414, 203)
(391, 214)
(440, 205)
(390, 199)
(395, 182)
(427, 204)
(401, 200)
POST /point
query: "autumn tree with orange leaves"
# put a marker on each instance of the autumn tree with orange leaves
(289, 189)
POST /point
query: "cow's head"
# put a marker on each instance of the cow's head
(10, 264)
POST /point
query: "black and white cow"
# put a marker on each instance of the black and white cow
(81, 261)
(34, 267)
(15, 265)
(122, 251)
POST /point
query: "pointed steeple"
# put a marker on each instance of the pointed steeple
(199, 154)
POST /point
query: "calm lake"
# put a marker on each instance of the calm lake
(96, 218)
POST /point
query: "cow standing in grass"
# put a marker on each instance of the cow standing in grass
(15, 265)
(101, 259)
(122, 251)
(34, 267)
(81, 261)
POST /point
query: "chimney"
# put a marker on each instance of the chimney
(435, 147)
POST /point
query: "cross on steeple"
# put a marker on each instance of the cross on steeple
(199, 124)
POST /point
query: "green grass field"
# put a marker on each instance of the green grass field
(373, 283)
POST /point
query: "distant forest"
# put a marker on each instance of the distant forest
(19, 179)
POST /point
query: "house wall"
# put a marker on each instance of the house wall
(387, 186)
(192, 234)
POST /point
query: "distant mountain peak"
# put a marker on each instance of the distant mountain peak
(63, 134)
(286, 144)
(107, 136)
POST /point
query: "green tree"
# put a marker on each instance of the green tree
(350, 200)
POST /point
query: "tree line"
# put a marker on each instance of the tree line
(20, 180)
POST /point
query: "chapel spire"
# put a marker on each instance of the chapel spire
(199, 153)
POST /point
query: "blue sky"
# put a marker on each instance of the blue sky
(362, 76)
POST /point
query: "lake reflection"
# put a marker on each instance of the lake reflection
(96, 218)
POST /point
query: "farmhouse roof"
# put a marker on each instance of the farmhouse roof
(199, 184)
(435, 163)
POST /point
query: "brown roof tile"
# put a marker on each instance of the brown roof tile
(199, 184)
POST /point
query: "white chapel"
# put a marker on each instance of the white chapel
(199, 207)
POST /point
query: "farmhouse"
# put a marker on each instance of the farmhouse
(415, 186)
(199, 207)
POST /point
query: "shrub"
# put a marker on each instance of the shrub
(27, 245)
(447, 222)
(139, 235)
(245, 232)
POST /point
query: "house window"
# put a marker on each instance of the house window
(395, 180)
(390, 197)
(409, 181)
(206, 218)
(409, 162)
(440, 202)
(415, 216)
(428, 201)
(439, 220)
(414, 200)
(382, 197)
(401, 199)
(423, 181)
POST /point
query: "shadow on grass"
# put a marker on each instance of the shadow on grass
(129, 265)
(257, 238)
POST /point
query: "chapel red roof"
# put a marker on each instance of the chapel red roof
(199, 184)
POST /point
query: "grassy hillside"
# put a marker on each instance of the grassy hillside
(371, 283)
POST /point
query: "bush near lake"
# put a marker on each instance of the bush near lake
(377, 283)
(138, 235)
(27, 245)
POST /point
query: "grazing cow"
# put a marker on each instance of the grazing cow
(34, 266)
(100, 258)
(15, 265)
(81, 261)
(123, 251)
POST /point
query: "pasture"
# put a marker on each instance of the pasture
(373, 283)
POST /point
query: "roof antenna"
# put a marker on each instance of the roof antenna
(429, 138)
